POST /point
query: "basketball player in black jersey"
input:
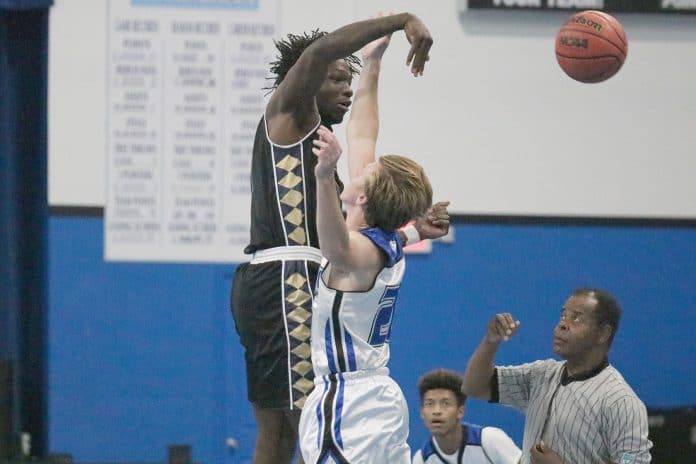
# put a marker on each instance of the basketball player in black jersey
(272, 294)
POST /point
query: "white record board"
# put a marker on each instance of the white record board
(497, 125)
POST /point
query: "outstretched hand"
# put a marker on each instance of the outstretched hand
(420, 39)
(435, 222)
(328, 151)
(501, 327)
(375, 49)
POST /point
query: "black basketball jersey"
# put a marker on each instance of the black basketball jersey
(283, 193)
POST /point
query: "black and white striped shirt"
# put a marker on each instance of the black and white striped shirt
(593, 419)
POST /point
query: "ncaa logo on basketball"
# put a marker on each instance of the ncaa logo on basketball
(573, 42)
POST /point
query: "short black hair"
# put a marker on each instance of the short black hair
(607, 311)
(444, 379)
(289, 50)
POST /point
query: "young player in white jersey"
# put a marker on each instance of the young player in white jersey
(356, 412)
(454, 441)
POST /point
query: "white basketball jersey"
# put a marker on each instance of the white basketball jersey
(480, 445)
(350, 330)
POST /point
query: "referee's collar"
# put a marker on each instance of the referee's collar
(566, 378)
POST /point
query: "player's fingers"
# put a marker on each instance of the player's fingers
(438, 213)
(499, 327)
(515, 326)
(411, 53)
(506, 324)
(512, 324)
(421, 56)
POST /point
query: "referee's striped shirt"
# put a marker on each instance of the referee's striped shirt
(593, 418)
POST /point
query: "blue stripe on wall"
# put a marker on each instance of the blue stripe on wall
(143, 355)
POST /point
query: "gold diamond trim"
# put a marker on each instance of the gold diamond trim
(296, 280)
(298, 298)
(301, 332)
(303, 385)
(300, 315)
(292, 198)
(304, 351)
(302, 367)
(298, 236)
(295, 217)
(288, 163)
(290, 180)
(300, 403)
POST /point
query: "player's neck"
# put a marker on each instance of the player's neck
(586, 363)
(355, 219)
(450, 442)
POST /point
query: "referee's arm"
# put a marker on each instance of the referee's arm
(480, 369)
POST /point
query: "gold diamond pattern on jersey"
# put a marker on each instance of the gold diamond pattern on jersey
(290, 193)
(298, 302)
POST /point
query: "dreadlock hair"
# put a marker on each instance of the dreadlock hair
(290, 50)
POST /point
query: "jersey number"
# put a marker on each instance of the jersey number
(381, 326)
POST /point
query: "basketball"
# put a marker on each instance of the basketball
(591, 46)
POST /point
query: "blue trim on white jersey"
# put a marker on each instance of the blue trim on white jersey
(329, 346)
(331, 441)
(338, 331)
(473, 434)
(388, 242)
(427, 450)
(339, 410)
(351, 351)
(473, 437)
(320, 418)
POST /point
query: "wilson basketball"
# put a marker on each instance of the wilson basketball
(591, 46)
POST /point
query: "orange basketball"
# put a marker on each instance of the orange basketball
(591, 46)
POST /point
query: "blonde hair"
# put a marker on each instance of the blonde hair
(397, 192)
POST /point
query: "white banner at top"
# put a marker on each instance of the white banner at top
(184, 97)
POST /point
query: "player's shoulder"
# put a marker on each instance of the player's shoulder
(424, 452)
(473, 433)
(536, 370)
(388, 242)
(616, 390)
(493, 434)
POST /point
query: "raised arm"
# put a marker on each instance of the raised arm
(293, 101)
(363, 125)
(347, 251)
(479, 371)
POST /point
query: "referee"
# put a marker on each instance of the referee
(578, 411)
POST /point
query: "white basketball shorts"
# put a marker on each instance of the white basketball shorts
(357, 418)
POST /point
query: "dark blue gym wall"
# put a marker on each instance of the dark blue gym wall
(23, 221)
(145, 355)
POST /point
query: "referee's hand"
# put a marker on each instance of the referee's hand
(501, 327)
(542, 454)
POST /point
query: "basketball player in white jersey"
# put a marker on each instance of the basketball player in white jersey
(272, 293)
(454, 441)
(356, 412)
(578, 411)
